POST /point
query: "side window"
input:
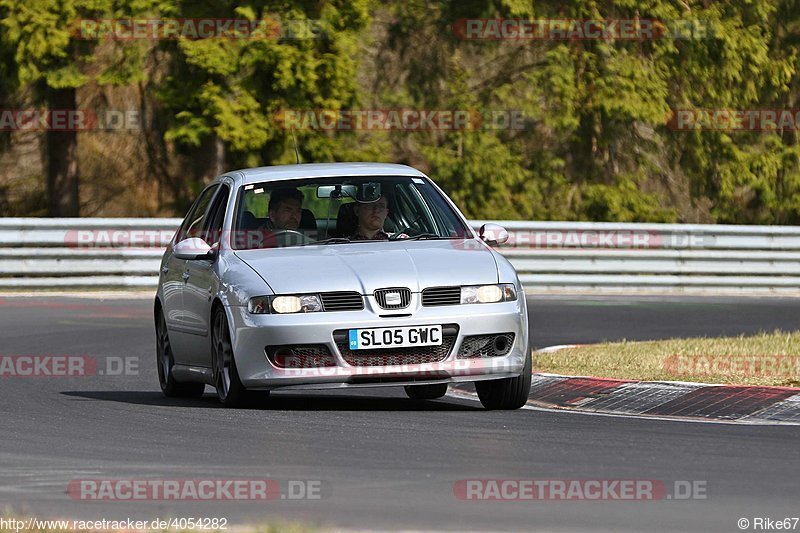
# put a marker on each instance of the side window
(443, 213)
(216, 216)
(192, 224)
(414, 208)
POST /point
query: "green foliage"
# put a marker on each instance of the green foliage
(48, 46)
(594, 142)
(8, 67)
(483, 176)
(231, 89)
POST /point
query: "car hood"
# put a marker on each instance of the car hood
(365, 267)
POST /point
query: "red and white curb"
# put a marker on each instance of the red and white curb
(663, 400)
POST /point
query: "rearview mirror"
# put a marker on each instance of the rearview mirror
(336, 191)
(493, 234)
(194, 248)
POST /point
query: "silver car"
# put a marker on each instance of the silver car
(338, 275)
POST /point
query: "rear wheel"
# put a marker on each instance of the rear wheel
(507, 393)
(426, 392)
(230, 390)
(165, 361)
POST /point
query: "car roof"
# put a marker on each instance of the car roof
(320, 170)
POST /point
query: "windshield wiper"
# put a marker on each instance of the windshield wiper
(422, 236)
(332, 240)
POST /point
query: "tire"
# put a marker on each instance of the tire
(165, 361)
(230, 391)
(507, 393)
(426, 392)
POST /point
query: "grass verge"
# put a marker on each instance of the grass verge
(764, 359)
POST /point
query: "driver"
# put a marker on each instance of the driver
(285, 209)
(371, 217)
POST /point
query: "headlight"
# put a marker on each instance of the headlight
(303, 303)
(485, 294)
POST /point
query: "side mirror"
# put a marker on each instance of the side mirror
(194, 248)
(493, 234)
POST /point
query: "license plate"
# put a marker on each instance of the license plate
(405, 337)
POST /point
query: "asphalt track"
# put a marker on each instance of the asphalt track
(384, 462)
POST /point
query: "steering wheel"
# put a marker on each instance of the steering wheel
(407, 228)
(287, 237)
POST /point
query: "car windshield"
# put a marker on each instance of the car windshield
(342, 210)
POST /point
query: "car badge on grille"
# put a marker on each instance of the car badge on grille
(393, 298)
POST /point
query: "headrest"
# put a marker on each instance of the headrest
(308, 221)
(248, 221)
(346, 221)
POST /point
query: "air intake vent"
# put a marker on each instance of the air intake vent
(342, 301)
(486, 346)
(300, 356)
(441, 296)
(393, 298)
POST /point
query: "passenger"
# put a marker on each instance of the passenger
(371, 217)
(285, 209)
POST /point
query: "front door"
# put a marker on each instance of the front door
(201, 285)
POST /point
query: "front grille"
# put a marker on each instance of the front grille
(405, 297)
(342, 301)
(441, 296)
(484, 346)
(300, 356)
(397, 356)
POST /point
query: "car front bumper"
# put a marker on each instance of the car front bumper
(251, 334)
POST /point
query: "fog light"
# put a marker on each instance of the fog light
(500, 345)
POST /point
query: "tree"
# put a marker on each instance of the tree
(596, 143)
(220, 95)
(54, 58)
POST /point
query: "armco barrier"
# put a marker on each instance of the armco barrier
(71, 253)
(617, 257)
(549, 256)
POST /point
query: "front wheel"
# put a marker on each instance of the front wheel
(426, 392)
(165, 361)
(507, 393)
(230, 390)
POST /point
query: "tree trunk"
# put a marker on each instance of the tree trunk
(219, 157)
(61, 153)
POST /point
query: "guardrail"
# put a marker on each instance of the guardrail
(617, 257)
(549, 256)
